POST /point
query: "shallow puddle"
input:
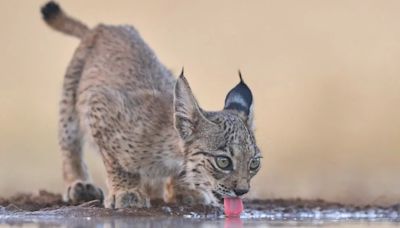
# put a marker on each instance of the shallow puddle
(112, 222)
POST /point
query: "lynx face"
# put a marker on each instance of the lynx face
(220, 148)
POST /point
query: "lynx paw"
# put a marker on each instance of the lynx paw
(191, 198)
(128, 199)
(82, 191)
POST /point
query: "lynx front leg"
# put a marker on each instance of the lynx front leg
(125, 190)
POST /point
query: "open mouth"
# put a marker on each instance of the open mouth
(221, 196)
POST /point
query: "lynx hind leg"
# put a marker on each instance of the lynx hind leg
(125, 190)
(75, 174)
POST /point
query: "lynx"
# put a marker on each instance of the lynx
(155, 140)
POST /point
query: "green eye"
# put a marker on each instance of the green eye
(223, 162)
(254, 164)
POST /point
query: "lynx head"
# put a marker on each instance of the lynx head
(220, 148)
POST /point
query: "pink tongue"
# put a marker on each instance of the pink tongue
(233, 207)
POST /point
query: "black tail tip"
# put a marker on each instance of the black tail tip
(50, 10)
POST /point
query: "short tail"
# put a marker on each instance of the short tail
(58, 20)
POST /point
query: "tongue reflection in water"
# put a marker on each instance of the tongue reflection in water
(233, 222)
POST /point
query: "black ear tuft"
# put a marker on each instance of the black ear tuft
(239, 98)
(240, 76)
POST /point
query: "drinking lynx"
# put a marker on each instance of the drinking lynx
(154, 138)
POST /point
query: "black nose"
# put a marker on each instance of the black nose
(240, 192)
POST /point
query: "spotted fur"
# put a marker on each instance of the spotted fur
(154, 139)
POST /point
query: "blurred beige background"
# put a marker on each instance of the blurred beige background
(325, 76)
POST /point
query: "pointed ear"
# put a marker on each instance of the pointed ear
(240, 99)
(187, 113)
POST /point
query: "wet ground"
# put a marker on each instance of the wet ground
(47, 209)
